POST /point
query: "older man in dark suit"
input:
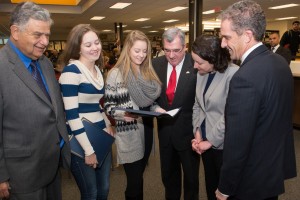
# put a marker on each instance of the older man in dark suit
(274, 40)
(33, 135)
(258, 148)
(176, 72)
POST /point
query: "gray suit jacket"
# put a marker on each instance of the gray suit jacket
(30, 125)
(214, 107)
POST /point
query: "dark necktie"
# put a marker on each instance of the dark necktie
(36, 75)
(171, 86)
(272, 49)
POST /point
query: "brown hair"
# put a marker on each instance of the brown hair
(72, 50)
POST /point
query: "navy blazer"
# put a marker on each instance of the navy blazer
(258, 148)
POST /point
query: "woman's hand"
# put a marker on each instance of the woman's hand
(128, 117)
(91, 160)
(196, 141)
(111, 130)
(160, 110)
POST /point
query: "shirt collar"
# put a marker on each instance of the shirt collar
(249, 51)
(26, 60)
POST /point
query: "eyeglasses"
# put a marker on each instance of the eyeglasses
(175, 51)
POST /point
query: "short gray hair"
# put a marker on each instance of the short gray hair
(171, 33)
(246, 15)
(26, 11)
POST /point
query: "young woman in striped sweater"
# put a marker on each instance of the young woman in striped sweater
(132, 83)
(82, 87)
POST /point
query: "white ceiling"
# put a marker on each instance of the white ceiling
(65, 17)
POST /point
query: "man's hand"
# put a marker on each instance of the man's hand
(220, 196)
(4, 190)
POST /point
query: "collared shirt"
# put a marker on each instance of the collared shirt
(178, 70)
(249, 51)
(275, 48)
(26, 61)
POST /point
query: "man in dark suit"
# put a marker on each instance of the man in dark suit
(276, 48)
(33, 134)
(176, 72)
(258, 148)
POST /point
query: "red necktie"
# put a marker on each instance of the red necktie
(171, 86)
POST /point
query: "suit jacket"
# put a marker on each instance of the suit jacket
(178, 130)
(213, 109)
(30, 125)
(258, 150)
(284, 52)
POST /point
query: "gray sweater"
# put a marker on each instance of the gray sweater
(129, 135)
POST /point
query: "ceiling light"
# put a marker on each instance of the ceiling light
(146, 26)
(142, 19)
(208, 12)
(106, 30)
(175, 9)
(126, 31)
(120, 5)
(122, 26)
(153, 31)
(171, 20)
(285, 18)
(284, 6)
(97, 18)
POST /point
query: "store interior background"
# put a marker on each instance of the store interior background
(81, 11)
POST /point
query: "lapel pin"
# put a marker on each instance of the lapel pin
(187, 72)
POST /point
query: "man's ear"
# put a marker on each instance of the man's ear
(15, 30)
(248, 36)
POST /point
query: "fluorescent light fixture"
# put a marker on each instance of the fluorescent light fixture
(142, 19)
(106, 30)
(153, 31)
(127, 31)
(208, 12)
(146, 26)
(97, 18)
(284, 6)
(212, 23)
(120, 5)
(285, 18)
(122, 25)
(171, 20)
(175, 9)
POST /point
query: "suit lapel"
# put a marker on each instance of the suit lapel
(185, 74)
(214, 84)
(20, 70)
(260, 49)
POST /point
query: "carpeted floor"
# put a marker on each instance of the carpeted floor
(153, 188)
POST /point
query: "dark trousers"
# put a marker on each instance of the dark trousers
(212, 162)
(271, 198)
(173, 163)
(134, 172)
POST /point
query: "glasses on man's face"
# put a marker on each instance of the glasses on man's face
(175, 51)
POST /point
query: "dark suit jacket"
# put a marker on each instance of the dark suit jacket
(178, 130)
(284, 52)
(30, 125)
(258, 148)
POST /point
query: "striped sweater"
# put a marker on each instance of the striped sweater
(81, 99)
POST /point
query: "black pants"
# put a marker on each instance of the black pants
(134, 171)
(212, 162)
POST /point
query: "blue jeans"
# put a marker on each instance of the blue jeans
(93, 183)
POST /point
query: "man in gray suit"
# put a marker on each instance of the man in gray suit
(33, 135)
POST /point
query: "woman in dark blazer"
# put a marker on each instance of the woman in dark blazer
(214, 74)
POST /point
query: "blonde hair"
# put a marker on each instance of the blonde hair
(124, 61)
